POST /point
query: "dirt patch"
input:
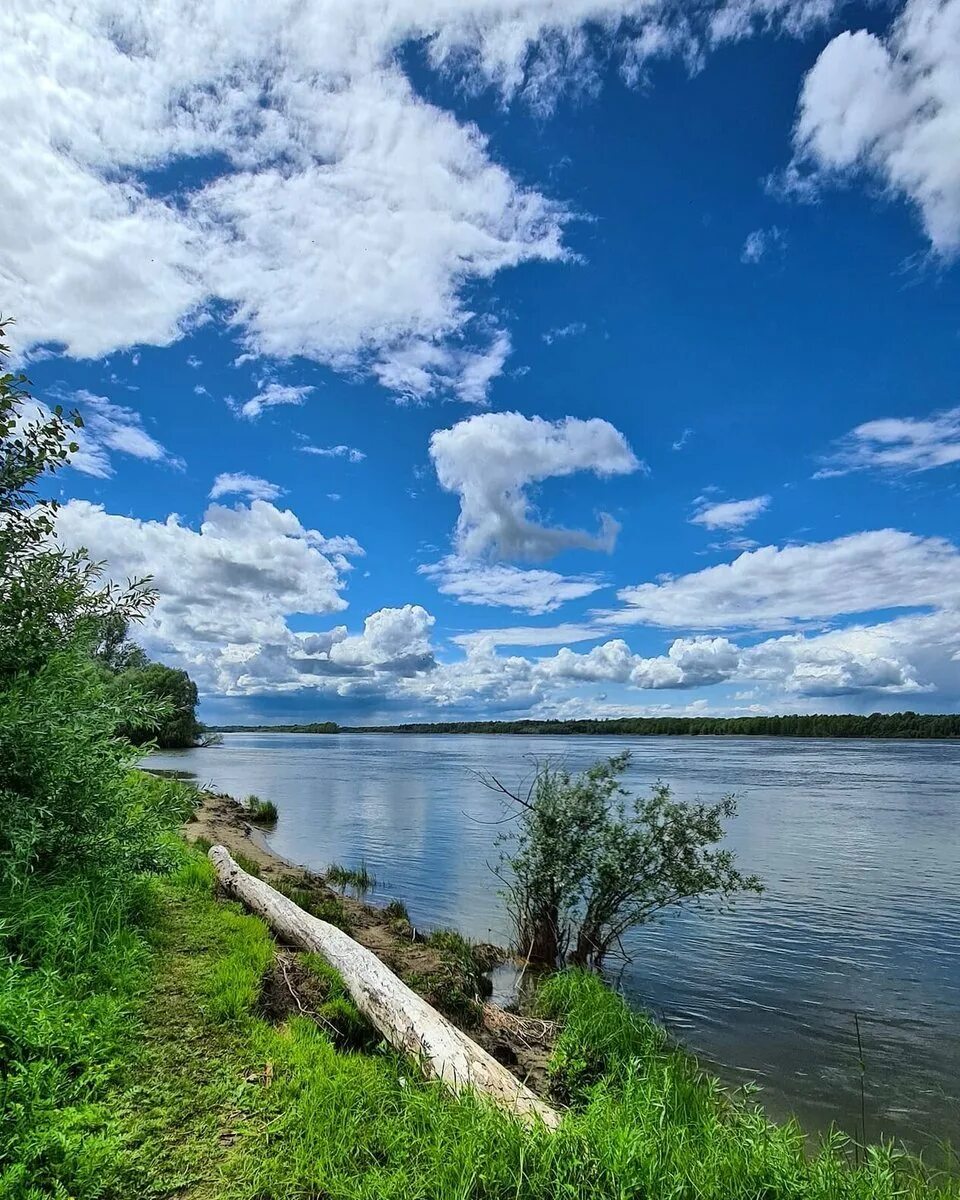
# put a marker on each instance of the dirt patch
(289, 989)
(436, 976)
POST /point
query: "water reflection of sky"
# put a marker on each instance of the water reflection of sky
(857, 843)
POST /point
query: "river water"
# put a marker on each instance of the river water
(858, 844)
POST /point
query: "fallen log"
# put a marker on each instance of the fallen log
(404, 1019)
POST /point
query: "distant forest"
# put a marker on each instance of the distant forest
(826, 725)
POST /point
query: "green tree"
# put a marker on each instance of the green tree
(48, 596)
(584, 866)
(68, 802)
(176, 695)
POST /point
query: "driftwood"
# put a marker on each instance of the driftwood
(404, 1019)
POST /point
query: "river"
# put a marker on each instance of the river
(858, 844)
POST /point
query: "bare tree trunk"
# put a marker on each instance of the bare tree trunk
(538, 937)
(405, 1019)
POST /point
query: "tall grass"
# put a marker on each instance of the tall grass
(360, 878)
(261, 812)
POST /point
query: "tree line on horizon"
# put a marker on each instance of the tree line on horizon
(813, 725)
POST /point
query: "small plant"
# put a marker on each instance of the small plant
(358, 878)
(338, 1015)
(247, 864)
(326, 908)
(261, 812)
(396, 910)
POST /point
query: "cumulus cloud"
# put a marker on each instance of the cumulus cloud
(108, 429)
(226, 588)
(532, 591)
(889, 106)
(689, 662)
(728, 514)
(915, 654)
(269, 395)
(350, 453)
(347, 217)
(394, 639)
(775, 587)
(490, 461)
(240, 484)
(847, 662)
(384, 209)
(897, 444)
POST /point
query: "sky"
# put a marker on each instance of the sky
(451, 359)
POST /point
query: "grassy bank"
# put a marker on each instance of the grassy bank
(153, 1046)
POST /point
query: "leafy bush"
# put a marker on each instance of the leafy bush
(582, 867)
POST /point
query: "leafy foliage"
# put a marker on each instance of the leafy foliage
(583, 866)
(49, 599)
(176, 694)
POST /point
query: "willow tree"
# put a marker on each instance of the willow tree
(586, 862)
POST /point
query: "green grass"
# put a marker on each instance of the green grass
(246, 864)
(261, 812)
(141, 1066)
(396, 910)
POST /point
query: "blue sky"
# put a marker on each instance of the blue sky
(505, 358)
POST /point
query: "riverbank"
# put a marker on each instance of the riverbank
(449, 971)
(167, 1046)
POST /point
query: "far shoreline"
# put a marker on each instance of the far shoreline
(906, 726)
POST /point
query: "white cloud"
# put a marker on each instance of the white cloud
(574, 329)
(897, 444)
(269, 395)
(689, 662)
(776, 587)
(244, 485)
(532, 591)
(733, 20)
(394, 639)
(350, 453)
(890, 106)
(107, 429)
(682, 440)
(348, 218)
(491, 460)
(418, 368)
(225, 589)
(728, 514)
(761, 242)
(845, 662)
(529, 635)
